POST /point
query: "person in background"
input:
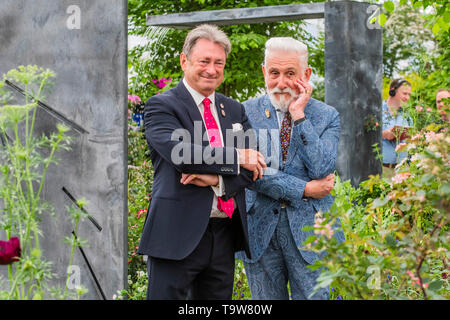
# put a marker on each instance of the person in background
(393, 117)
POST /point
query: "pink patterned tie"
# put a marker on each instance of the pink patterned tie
(214, 141)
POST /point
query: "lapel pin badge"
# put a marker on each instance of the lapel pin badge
(223, 113)
(267, 113)
(221, 106)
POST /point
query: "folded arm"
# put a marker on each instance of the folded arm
(284, 187)
(319, 153)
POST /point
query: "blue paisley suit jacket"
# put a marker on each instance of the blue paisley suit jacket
(312, 155)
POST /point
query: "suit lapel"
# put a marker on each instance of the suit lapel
(224, 121)
(189, 104)
(270, 122)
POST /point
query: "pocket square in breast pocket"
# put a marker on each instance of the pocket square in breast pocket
(237, 127)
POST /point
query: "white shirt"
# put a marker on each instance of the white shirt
(198, 99)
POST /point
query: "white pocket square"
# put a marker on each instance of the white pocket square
(237, 127)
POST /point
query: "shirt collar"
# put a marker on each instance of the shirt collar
(197, 96)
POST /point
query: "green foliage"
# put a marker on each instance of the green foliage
(406, 39)
(241, 289)
(422, 105)
(137, 287)
(396, 230)
(140, 177)
(140, 181)
(25, 160)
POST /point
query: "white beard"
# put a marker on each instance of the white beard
(281, 104)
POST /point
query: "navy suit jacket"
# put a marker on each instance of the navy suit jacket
(179, 214)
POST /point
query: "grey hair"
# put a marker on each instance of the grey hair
(209, 32)
(287, 44)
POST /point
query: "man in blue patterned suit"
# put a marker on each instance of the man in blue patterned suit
(298, 180)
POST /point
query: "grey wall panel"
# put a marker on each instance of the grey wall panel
(90, 96)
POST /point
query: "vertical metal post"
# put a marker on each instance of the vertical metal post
(353, 85)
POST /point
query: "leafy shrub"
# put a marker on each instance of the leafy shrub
(396, 231)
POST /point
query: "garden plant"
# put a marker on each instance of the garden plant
(24, 161)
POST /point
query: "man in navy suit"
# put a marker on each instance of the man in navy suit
(197, 219)
(296, 185)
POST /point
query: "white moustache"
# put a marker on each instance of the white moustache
(285, 90)
(283, 103)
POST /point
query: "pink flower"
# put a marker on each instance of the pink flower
(141, 212)
(161, 83)
(429, 109)
(323, 230)
(400, 146)
(415, 157)
(430, 135)
(399, 178)
(416, 280)
(10, 251)
(419, 108)
(134, 99)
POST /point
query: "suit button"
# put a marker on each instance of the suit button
(275, 211)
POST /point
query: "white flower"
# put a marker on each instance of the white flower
(415, 157)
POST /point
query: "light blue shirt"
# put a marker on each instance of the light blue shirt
(389, 154)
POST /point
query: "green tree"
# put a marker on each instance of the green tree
(406, 39)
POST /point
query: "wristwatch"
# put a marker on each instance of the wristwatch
(298, 121)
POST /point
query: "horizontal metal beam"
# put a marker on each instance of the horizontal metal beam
(239, 16)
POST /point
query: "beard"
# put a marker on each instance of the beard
(283, 103)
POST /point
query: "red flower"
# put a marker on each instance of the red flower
(142, 211)
(10, 251)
